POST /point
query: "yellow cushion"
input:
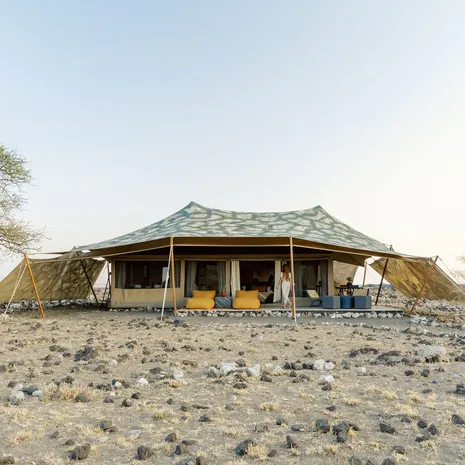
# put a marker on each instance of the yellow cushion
(246, 303)
(313, 294)
(200, 303)
(253, 294)
(209, 294)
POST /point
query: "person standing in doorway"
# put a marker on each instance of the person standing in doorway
(285, 281)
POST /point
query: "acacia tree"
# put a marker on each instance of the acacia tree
(16, 235)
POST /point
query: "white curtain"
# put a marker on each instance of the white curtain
(235, 277)
(190, 278)
(277, 275)
(222, 277)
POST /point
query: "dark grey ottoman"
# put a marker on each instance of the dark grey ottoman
(331, 301)
(362, 302)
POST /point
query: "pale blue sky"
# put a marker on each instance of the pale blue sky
(126, 111)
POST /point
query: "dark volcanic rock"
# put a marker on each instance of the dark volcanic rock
(354, 460)
(80, 452)
(399, 450)
(242, 448)
(460, 389)
(181, 449)
(423, 437)
(388, 462)
(82, 398)
(172, 437)
(240, 386)
(204, 419)
(126, 403)
(422, 424)
(273, 453)
(342, 436)
(457, 420)
(363, 351)
(322, 425)
(432, 430)
(87, 353)
(144, 452)
(290, 441)
(384, 428)
(425, 372)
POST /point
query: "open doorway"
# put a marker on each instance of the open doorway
(257, 275)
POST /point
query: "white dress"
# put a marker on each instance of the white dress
(285, 289)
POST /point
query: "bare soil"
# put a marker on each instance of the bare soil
(238, 406)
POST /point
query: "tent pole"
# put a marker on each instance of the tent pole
(422, 289)
(89, 282)
(292, 280)
(382, 279)
(364, 275)
(173, 284)
(34, 285)
(166, 286)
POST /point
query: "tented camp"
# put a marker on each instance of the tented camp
(227, 251)
(199, 248)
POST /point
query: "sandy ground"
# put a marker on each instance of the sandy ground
(366, 391)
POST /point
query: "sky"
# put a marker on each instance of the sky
(127, 111)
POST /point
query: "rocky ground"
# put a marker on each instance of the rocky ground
(117, 388)
(441, 310)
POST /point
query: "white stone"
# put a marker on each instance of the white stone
(254, 370)
(319, 364)
(117, 385)
(228, 367)
(16, 397)
(38, 393)
(382, 315)
(134, 434)
(329, 366)
(361, 370)
(430, 352)
(142, 381)
(389, 315)
(113, 363)
(277, 371)
(374, 315)
(326, 379)
(347, 315)
(18, 387)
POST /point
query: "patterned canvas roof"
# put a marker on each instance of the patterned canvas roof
(194, 220)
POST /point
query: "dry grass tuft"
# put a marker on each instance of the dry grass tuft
(352, 401)
(257, 451)
(20, 437)
(161, 414)
(268, 406)
(415, 398)
(68, 392)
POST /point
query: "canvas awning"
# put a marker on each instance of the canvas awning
(56, 279)
(420, 278)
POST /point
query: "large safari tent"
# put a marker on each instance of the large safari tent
(227, 250)
(204, 248)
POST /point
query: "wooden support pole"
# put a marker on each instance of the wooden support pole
(382, 279)
(173, 283)
(89, 282)
(34, 285)
(364, 275)
(292, 279)
(423, 287)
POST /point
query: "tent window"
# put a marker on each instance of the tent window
(145, 274)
